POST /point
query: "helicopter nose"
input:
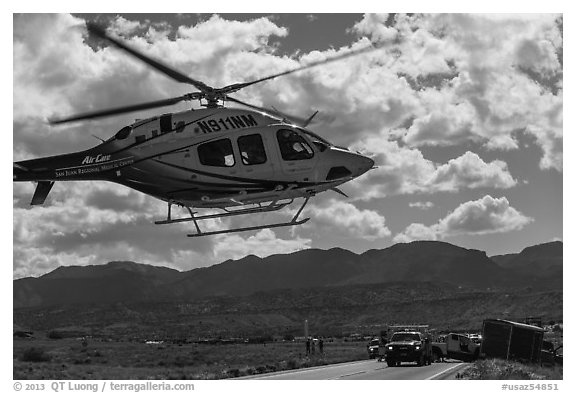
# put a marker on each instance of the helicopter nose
(348, 164)
(362, 164)
(366, 163)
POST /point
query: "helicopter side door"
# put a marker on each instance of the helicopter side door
(254, 155)
(297, 157)
(218, 157)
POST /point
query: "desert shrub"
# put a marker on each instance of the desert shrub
(182, 361)
(291, 364)
(497, 369)
(233, 373)
(283, 365)
(34, 354)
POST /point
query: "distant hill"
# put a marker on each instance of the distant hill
(435, 262)
(111, 269)
(543, 259)
(113, 282)
(416, 262)
(540, 264)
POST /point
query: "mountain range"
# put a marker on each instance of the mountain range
(538, 267)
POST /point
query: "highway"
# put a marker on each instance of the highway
(368, 370)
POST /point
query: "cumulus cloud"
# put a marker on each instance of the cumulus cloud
(422, 205)
(262, 244)
(343, 217)
(417, 231)
(483, 216)
(404, 170)
(86, 223)
(491, 76)
(470, 171)
(123, 26)
(375, 25)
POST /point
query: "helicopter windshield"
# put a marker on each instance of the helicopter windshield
(320, 142)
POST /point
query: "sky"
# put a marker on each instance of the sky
(462, 113)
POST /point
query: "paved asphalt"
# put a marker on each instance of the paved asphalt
(367, 370)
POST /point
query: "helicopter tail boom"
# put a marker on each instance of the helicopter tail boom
(86, 165)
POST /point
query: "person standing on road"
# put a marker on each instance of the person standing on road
(313, 346)
(308, 346)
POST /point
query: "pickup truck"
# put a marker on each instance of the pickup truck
(456, 346)
(408, 346)
(374, 348)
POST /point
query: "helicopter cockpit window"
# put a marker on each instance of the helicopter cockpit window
(124, 133)
(293, 146)
(321, 143)
(217, 153)
(252, 149)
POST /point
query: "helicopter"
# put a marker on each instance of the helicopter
(232, 160)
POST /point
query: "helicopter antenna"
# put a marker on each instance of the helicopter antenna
(309, 120)
(100, 139)
(339, 191)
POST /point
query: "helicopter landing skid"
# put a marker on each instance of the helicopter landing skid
(274, 206)
(254, 228)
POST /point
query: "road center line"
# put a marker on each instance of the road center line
(348, 375)
(303, 370)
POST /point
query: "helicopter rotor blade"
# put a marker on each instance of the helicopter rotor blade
(97, 30)
(237, 86)
(273, 112)
(125, 109)
(209, 93)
